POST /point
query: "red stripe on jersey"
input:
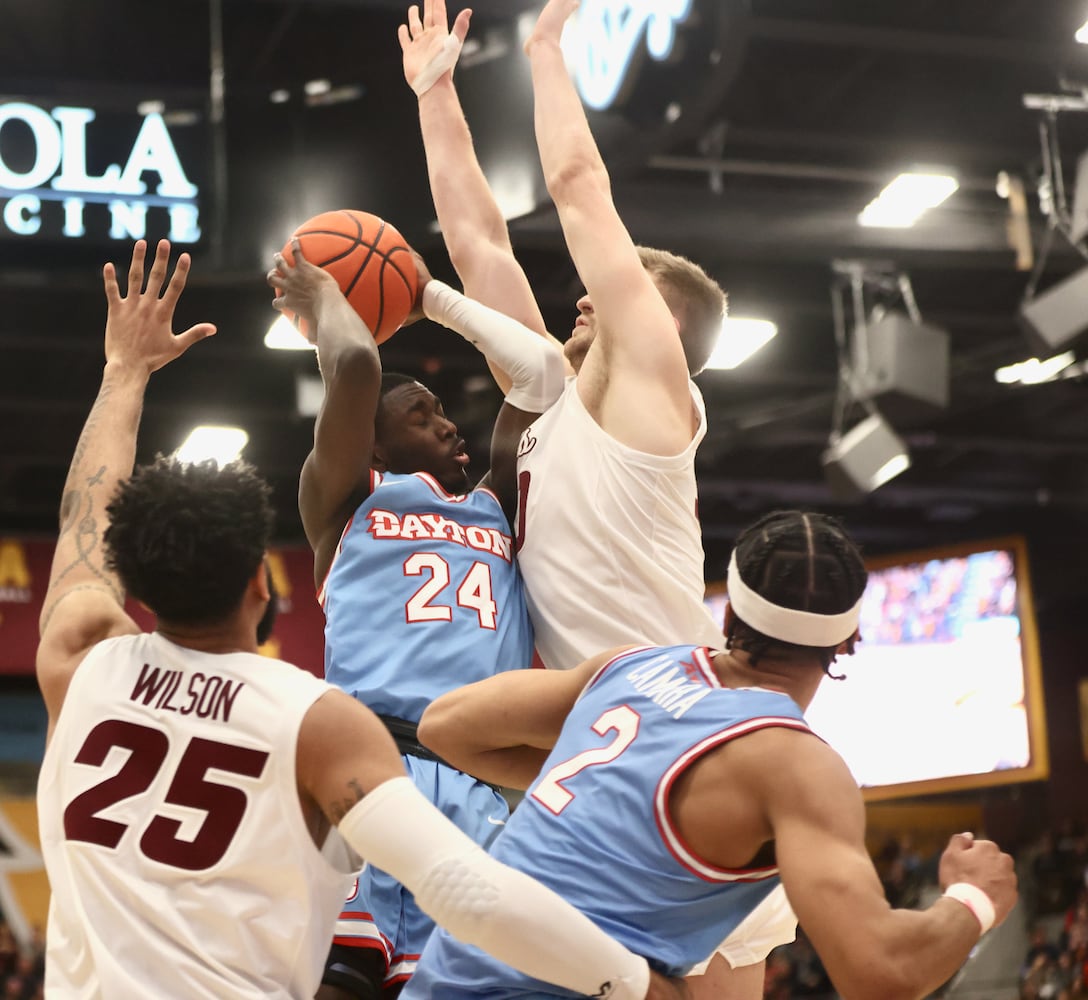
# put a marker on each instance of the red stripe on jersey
(362, 942)
(439, 490)
(671, 836)
(703, 656)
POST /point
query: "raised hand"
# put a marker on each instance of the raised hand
(139, 324)
(550, 24)
(299, 288)
(430, 49)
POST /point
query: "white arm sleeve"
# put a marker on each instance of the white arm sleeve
(535, 365)
(485, 903)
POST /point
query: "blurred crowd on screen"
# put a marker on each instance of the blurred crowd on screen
(937, 600)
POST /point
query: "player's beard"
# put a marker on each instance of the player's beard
(268, 619)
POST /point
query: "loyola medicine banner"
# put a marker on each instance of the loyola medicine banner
(24, 575)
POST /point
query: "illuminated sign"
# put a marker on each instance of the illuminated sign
(53, 168)
(606, 37)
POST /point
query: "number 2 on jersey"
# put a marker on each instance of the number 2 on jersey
(473, 593)
(551, 792)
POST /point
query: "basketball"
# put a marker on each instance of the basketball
(370, 261)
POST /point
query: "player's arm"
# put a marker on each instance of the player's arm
(350, 767)
(336, 474)
(636, 365)
(868, 948)
(502, 729)
(535, 370)
(472, 223)
(84, 600)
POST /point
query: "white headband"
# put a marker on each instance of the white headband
(803, 628)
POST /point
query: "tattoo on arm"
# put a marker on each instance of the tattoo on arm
(78, 509)
(104, 393)
(338, 810)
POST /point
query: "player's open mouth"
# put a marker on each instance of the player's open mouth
(459, 454)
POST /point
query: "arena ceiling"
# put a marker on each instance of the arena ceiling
(752, 152)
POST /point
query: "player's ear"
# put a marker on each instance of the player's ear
(846, 648)
(262, 580)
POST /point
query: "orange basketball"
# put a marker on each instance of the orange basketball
(370, 261)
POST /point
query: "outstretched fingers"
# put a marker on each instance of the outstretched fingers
(197, 332)
(136, 269)
(177, 279)
(158, 269)
(109, 283)
(460, 25)
(415, 25)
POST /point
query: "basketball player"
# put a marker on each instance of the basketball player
(677, 785)
(607, 492)
(189, 786)
(595, 450)
(412, 568)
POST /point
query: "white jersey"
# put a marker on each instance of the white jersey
(179, 860)
(610, 546)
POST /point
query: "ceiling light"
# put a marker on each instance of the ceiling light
(906, 199)
(315, 87)
(334, 95)
(181, 117)
(280, 96)
(1033, 371)
(150, 108)
(221, 444)
(1082, 34)
(739, 340)
(282, 336)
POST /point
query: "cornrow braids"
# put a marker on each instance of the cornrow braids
(802, 561)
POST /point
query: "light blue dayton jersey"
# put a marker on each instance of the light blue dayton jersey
(423, 596)
(595, 826)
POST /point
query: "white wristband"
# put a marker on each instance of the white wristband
(442, 61)
(976, 901)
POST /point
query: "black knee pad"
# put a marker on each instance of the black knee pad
(358, 971)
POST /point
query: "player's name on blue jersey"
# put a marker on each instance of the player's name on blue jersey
(673, 686)
(385, 524)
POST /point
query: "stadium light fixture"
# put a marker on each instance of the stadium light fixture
(221, 444)
(864, 459)
(906, 199)
(739, 340)
(282, 336)
(1033, 371)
